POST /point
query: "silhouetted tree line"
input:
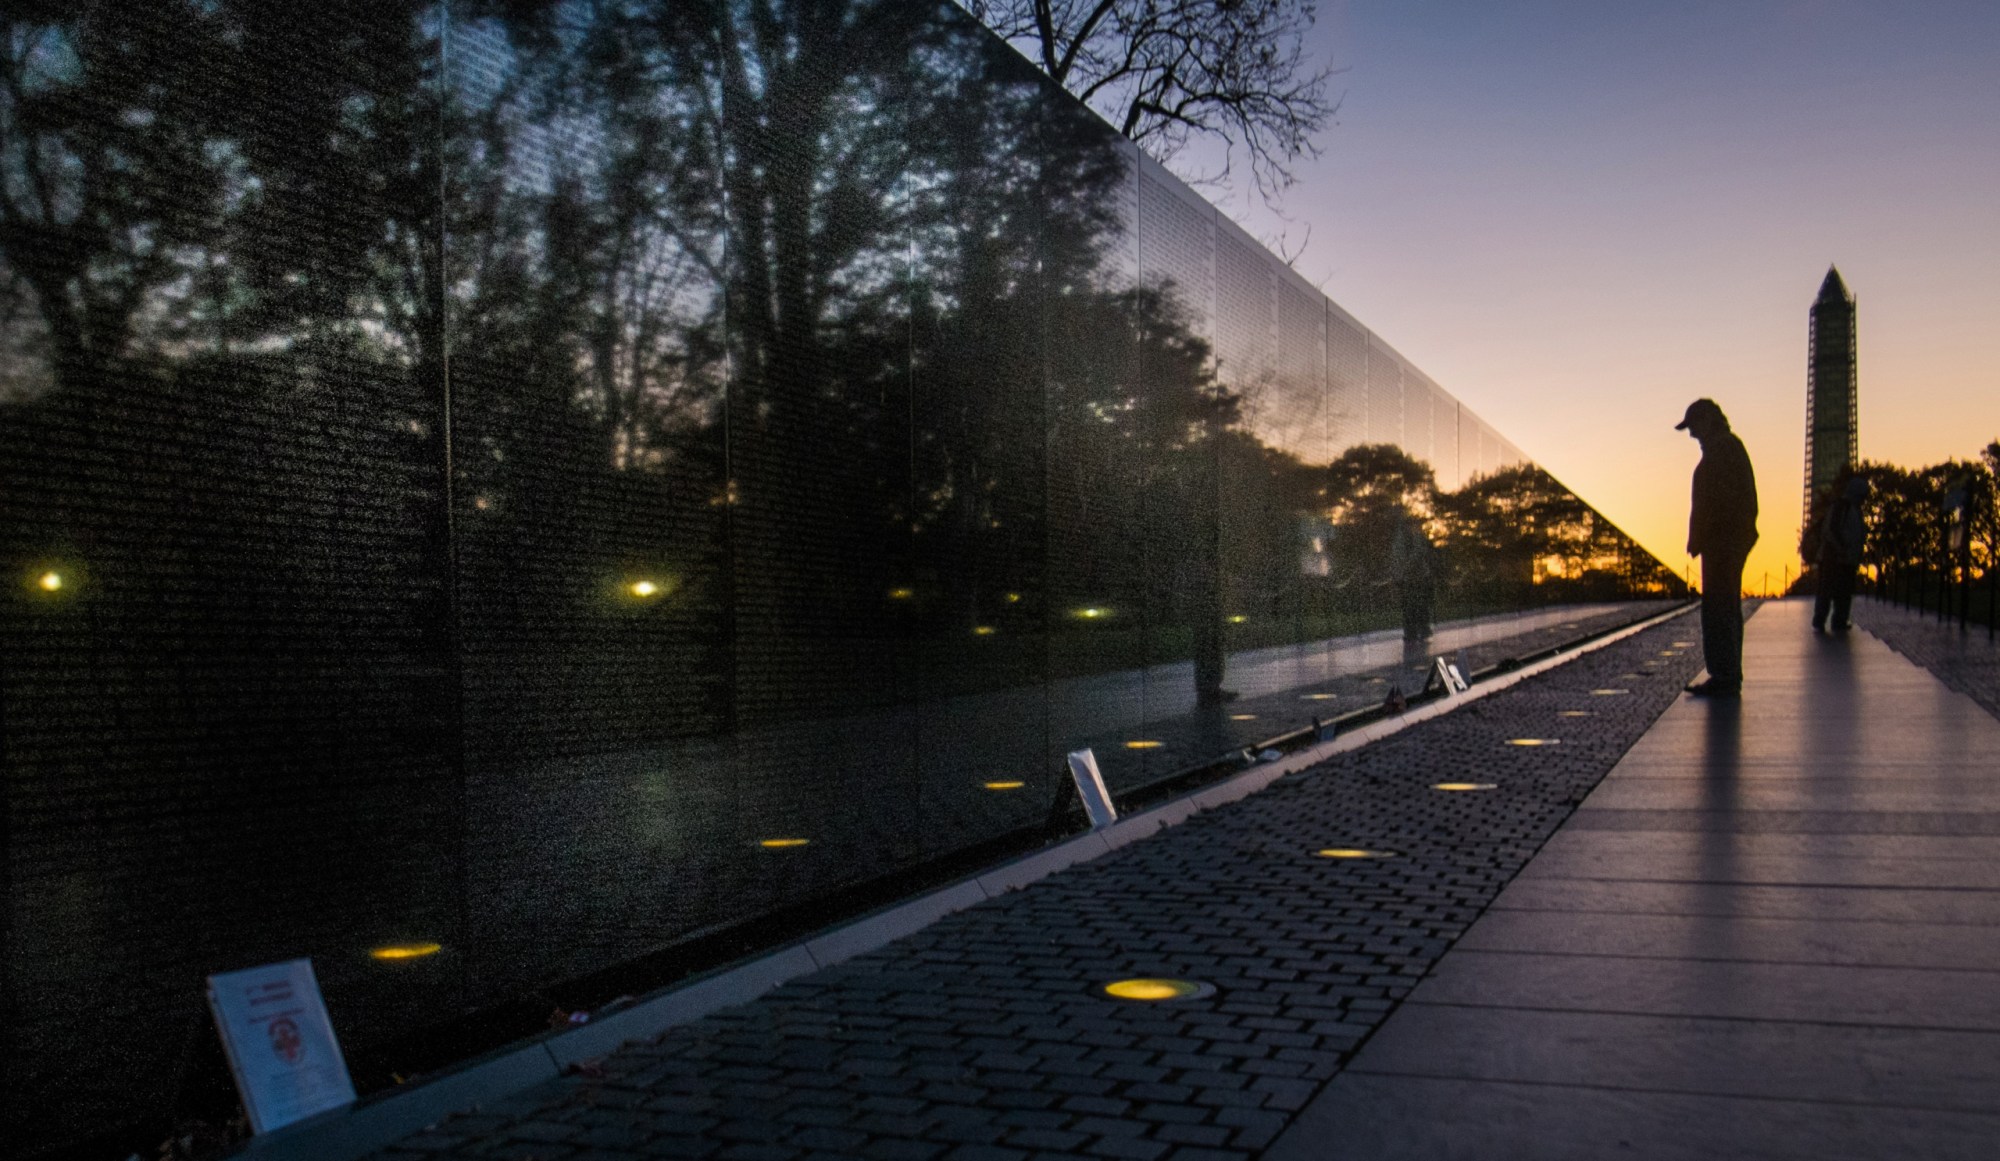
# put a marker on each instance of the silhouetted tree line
(1922, 521)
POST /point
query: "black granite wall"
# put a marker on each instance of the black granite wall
(471, 474)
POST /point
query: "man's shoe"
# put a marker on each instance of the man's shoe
(1714, 688)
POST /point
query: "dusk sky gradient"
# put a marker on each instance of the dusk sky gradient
(1578, 215)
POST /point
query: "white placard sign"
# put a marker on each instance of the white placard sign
(1090, 787)
(280, 1043)
(1448, 676)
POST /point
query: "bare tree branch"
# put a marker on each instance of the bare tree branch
(1172, 72)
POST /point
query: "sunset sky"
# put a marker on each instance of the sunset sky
(1577, 216)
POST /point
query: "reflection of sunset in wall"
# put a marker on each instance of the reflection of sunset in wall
(1580, 216)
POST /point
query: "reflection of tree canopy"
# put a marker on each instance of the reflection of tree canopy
(833, 278)
(1502, 534)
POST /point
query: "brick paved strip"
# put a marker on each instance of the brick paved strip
(1966, 660)
(982, 1036)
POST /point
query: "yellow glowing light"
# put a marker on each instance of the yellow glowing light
(405, 951)
(1153, 989)
(982, 630)
(779, 844)
(1534, 741)
(1318, 696)
(1353, 853)
(1143, 744)
(1238, 619)
(1013, 598)
(643, 588)
(1670, 653)
(1003, 785)
(901, 594)
(1090, 614)
(1572, 713)
(1683, 644)
(1464, 786)
(50, 582)
(1242, 717)
(1608, 692)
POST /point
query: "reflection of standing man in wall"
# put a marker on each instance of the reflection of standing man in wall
(1722, 526)
(1413, 564)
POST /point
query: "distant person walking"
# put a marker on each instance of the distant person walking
(1842, 533)
(1722, 526)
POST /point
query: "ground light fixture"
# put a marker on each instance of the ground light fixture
(1156, 990)
(1464, 787)
(1318, 696)
(1608, 692)
(1143, 744)
(1534, 741)
(1573, 713)
(1355, 853)
(1003, 785)
(781, 844)
(50, 582)
(1242, 717)
(402, 951)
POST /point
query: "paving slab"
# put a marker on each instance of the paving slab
(1398, 1118)
(1772, 930)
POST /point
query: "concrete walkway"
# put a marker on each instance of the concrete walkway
(1772, 931)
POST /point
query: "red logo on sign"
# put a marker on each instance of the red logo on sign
(286, 1041)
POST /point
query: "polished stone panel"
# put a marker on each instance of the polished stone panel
(487, 470)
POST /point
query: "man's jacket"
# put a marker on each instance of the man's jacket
(1723, 517)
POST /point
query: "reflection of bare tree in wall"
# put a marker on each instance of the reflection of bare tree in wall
(1170, 72)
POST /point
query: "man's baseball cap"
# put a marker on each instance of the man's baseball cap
(1699, 407)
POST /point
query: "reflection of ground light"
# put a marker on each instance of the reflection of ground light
(396, 951)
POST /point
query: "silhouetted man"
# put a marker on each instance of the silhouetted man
(1722, 525)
